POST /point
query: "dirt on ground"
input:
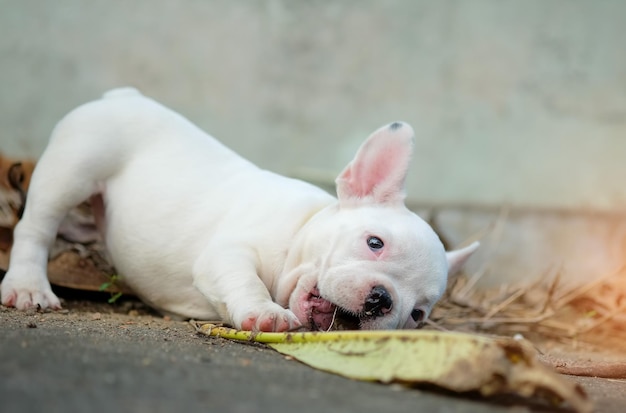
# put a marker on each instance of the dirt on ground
(94, 312)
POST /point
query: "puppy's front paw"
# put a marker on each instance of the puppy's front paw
(268, 317)
(23, 289)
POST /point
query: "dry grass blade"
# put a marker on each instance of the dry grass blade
(496, 309)
(603, 319)
(577, 292)
(496, 235)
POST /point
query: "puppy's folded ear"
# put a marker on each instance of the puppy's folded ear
(457, 258)
(378, 171)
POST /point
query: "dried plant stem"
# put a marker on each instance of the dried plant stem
(603, 319)
(496, 309)
(496, 236)
(577, 292)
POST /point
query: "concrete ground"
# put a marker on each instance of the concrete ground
(88, 358)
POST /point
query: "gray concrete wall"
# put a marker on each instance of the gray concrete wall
(513, 101)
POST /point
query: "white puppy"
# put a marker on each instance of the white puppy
(197, 231)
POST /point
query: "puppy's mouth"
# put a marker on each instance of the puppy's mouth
(327, 316)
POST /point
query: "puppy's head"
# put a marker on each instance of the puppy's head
(368, 262)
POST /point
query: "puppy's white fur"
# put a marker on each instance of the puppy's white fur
(199, 232)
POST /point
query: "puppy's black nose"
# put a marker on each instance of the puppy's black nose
(378, 302)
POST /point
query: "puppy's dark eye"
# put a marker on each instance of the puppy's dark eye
(417, 315)
(375, 243)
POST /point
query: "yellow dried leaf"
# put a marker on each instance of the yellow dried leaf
(453, 361)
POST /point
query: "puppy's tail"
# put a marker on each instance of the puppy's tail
(121, 92)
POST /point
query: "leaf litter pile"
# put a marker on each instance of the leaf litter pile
(472, 342)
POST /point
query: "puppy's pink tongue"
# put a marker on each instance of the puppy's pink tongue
(322, 312)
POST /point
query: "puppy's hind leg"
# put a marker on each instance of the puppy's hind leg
(57, 185)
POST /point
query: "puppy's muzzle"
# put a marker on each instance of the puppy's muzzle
(378, 302)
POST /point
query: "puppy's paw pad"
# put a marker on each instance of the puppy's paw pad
(24, 292)
(279, 319)
(23, 300)
(10, 299)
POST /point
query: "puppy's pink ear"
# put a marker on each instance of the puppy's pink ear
(457, 258)
(377, 172)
